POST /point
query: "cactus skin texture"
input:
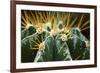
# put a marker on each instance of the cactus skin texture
(61, 47)
(26, 32)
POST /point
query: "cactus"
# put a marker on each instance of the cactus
(26, 32)
(55, 38)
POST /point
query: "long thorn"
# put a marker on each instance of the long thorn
(80, 22)
(85, 23)
(85, 28)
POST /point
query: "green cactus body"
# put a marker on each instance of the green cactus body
(77, 45)
(27, 32)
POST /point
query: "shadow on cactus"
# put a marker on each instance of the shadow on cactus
(54, 36)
